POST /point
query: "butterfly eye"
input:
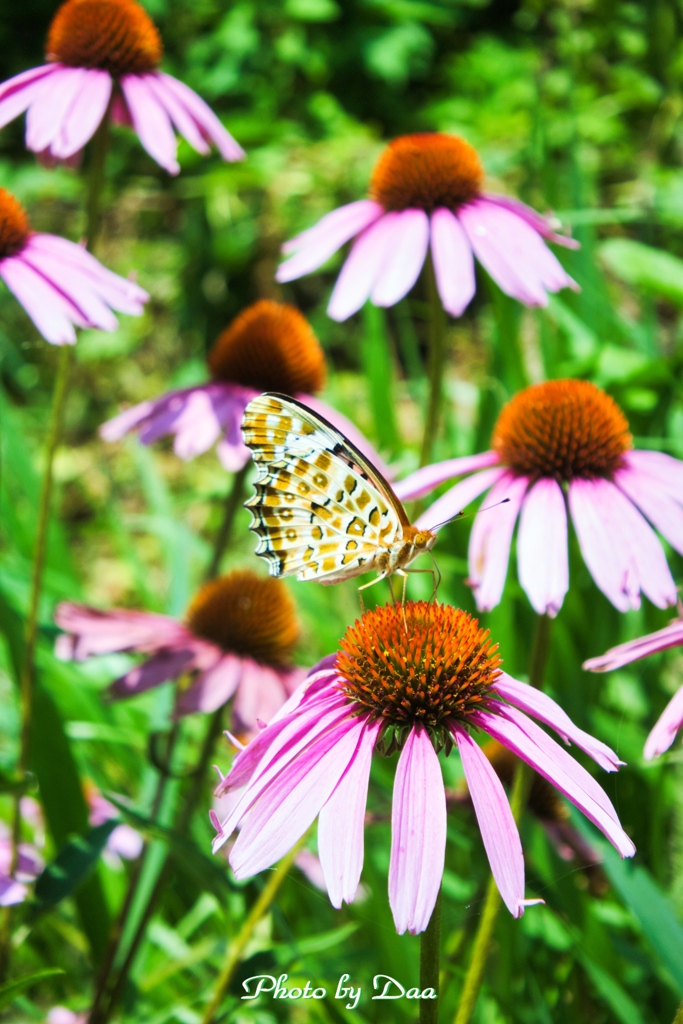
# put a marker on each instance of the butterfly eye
(420, 540)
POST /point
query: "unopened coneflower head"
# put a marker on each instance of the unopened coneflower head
(237, 641)
(59, 284)
(269, 346)
(422, 674)
(426, 196)
(559, 447)
(103, 61)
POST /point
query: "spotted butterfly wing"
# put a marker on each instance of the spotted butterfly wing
(321, 510)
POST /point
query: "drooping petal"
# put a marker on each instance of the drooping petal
(453, 262)
(633, 650)
(18, 93)
(406, 250)
(342, 823)
(51, 314)
(97, 632)
(315, 246)
(459, 497)
(499, 832)
(204, 117)
(158, 669)
(180, 117)
(47, 113)
(418, 834)
(70, 284)
(262, 693)
(667, 470)
(545, 709)
(655, 501)
(213, 688)
(151, 122)
(542, 547)
(666, 727)
(543, 225)
(84, 115)
(424, 480)
(349, 430)
(491, 538)
(361, 269)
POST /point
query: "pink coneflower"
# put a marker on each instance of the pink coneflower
(236, 642)
(269, 346)
(416, 678)
(425, 195)
(58, 283)
(560, 445)
(671, 719)
(103, 57)
(124, 841)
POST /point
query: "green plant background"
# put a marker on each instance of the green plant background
(575, 107)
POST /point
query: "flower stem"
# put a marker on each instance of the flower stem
(437, 354)
(231, 505)
(96, 178)
(429, 965)
(540, 649)
(236, 949)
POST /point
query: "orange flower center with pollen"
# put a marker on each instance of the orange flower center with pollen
(427, 171)
(270, 346)
(418, 662)
(14, 227)
(246, 614)
(562, 429)
(117, 36)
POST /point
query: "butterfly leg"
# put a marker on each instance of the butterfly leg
(365, 586)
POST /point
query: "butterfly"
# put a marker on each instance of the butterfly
(321, 510)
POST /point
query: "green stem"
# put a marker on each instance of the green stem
(437, 356)
(96, 178)
(430, 948)
(231, 506)
(236, 949)
(518, 798)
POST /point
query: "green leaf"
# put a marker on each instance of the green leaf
(619, 1002)
(644, 267)
(70, 868)
(379, 366)
(14, 988)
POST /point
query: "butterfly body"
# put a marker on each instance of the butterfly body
(321, 510)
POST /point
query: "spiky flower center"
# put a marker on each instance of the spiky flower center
(117, 36)
(14, 227)
(562, 429)
(246, 614)
(270, 346)
(418, 662)
(427, 171)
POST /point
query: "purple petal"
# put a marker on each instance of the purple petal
(453, 262)
(262, 693)
(84, 115)
(342, 822)
(48, 112)
(545, 709)
(159, 669)
(11, 892)
(491, 538)
(418, 834)
(19, 82)
(349, 430)
(407, 245)
(125, 842)
(542, 548)
(315, 246)
(151, 122)
(51, 314)
(633, 650)
(513, 253)
(362, 268)
(73, 287)
(18, 93)
(98, 632)
(458, 498)
(655, 501)
(178, 114)
(535, 220)
(497, 826)
(293, 800)
(526, 739)
(424, 480)
(668, 724)
(204, 117)
(213, 688)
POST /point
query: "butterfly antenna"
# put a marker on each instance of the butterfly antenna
(467, 515)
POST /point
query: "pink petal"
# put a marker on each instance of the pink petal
(349, 430)
(497, 826)
(491, 538)
(84, 115)
(512, 252)
(19, 82)
(180, 117)
(668, 724)
(18, 93)
(633, 650)
(667, 470)
(535, 220)
(73, 287)
(213, 688)
(424, 480)
(204, 117)
(158, 669)
(53, 317)
(453, 262)
(315, 246)
(362, 268)
(655, 501)
(293, 800)
(342, 822)
(11, 892)
(459, 497)
(125, 842)
(150, 121)
(418, 834)
(48, 112)
(545, 709)
(542, 547)
(524, 738)
(261, 695)
(116, 428)
(407, 246)
(98, 632)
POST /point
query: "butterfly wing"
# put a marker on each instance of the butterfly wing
(321, 510)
